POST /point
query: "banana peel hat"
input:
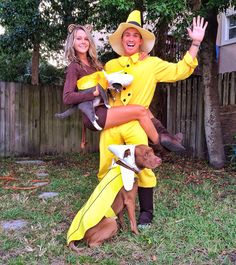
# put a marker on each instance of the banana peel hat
(133, 21)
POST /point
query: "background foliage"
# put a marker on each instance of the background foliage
(28, 23)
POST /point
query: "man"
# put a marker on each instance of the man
(128, 41)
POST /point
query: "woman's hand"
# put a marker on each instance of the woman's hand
(96, 92)
(198, 30)
(143, 55)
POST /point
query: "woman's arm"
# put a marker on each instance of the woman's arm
(71, 94)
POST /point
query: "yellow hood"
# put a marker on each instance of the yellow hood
(92, 80)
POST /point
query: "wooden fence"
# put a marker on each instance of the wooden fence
(28, 125)
(185, 111)
(227, 97)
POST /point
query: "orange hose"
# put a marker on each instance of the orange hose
(9, 178)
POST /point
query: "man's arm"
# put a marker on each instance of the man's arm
(196, 34)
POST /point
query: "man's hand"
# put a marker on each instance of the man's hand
(143, 55)
(198, 30)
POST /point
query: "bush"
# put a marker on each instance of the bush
(17, 68)
(14, 67)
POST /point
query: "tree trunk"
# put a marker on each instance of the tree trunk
(213, 131)
(35, 65)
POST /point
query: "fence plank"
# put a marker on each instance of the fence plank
(35, 121)
(200, 143)
(2, 118)
(58, 124)
(178, 107)
(43, 139)
(193, 133)
(18, 90)
(183, 103)
(220, 88)
(233, 88)
(226, 89)
(24, 107)
(188, 121)
(7, 120)
(30, 120)
(171, 107)
(12, 118)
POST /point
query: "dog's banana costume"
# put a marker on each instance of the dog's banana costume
(92, 80)
(104, 79)
(100, 202)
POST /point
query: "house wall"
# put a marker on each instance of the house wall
(227, 58)
(226, 46)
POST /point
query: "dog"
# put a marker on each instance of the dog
(103, 82)
(117, 190)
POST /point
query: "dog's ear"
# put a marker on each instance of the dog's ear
(127, 153)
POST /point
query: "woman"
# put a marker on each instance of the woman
(80, 51)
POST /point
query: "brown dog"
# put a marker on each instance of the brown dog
(144, 158)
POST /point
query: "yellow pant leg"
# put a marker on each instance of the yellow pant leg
(107, 137)
(129, 133)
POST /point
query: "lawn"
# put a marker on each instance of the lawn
(194, 223)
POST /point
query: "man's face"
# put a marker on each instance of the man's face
(131, 41)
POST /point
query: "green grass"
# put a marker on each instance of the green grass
(194, 222)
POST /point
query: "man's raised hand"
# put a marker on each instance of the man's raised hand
(198, 30)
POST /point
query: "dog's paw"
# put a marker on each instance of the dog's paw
(95, 124)
(59, 116)
(135, 231)
(75, 248)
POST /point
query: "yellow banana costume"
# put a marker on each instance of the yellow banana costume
(97, 206)
(100, 202)
(92, 80)
(104, 79)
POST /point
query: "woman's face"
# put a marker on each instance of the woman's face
(81, 42)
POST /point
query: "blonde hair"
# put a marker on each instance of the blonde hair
(70, 54)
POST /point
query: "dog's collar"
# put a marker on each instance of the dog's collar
(119, 162)
(126, 154)
(126, 161)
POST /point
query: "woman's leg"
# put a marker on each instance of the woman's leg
(123, 114)
(167, 140)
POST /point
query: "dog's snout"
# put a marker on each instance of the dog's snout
(158, 160)
(155, 162)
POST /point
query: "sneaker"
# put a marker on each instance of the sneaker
(171, 143)
(144, 226)
(145, 218)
